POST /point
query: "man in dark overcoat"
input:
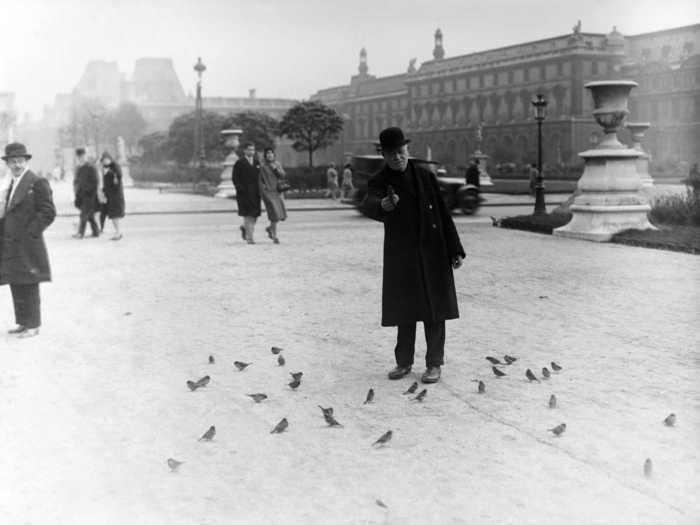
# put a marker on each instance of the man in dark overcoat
(27, 210)
(85, 187)
(246, 179)
(421, 248)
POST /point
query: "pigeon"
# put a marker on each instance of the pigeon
(497, 372)
(552, 401)
(386, 437)
(530, 376)
(555, 366)
(647, 468)
(370, 396)
(280, 427)
(204, 381)
(209, 434)
(494, 361)
(257, 397)
(326, 411)
(670, 420)
(275, 350)
(558, 430)
(295, 384)
(421, 395)
(211, 359)
(127, 313)
(241, 365)
(381, 504)
(545, 373)
(174, 464)
(509, 359)
(280, 360)
(331, 420)
(481, 387)
(412, 388)
(296, 375)
(543, 297)
(192, 385)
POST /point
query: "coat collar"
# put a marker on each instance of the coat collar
(23, 186)
(407, 181)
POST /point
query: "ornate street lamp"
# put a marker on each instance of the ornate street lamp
(200, 68)
(540, 113)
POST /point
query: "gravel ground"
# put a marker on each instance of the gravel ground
(95, 405)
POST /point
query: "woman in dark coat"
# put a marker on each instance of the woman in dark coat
(271, 173)
(246, 179)
(113, 190)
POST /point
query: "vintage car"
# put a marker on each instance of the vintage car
(455, 193)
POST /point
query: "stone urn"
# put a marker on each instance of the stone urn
(638, 129)
(225, 189)
(610, 199)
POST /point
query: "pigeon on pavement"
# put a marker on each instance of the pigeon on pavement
(384, 439)
(552, 401)
(421, 395)
(558, 430)
(326, 411)
(530, 376)
(280, 360)
(280, 427)
(647, 468)
(295, 384)
(174, 464)
(211, 359)
(494, 361)
(331, 420)
(555, 366)
(275, 350)
(370, 396)
(497, 372)
(545, 373)
(509, 359)
(241, 365)
(296, 375)
(209, 434)
(257, 397)
(670, 420)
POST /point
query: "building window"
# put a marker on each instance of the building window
(461, 84)
(488, 80)
(550, 71)
(503, 78)
(448, 86)
(424, 90)
(474, 82)
(436, 88)
(603, 68)
(587, 68)
(518, 76)
(594, 67)
(676, 108)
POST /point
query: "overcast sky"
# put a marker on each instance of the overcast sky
(284, 48)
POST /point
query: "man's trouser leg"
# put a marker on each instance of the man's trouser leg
(435, 341)
(405, 344)
(25, 298)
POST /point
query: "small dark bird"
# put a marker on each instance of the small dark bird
(241, 365)
(296, 375)
(209, 434)
(552, 401)
(558, 430)
(530, 376)
(275, 350)
(412, 388)
(280, 427)
(370, 396)
(545, 373)
(331, 420)
(497, 372)
(381, 504)
(295, 384)
(647, 468)
(280, 360)
(257, 397)
(211, 359)
(326, 411)
(555, 366)
(384, 439)
(509, 359)
(127, 313)
(543, 297)
(481, 387)
(204, 381)
(174, 464)
(494, 361)
(192, 385)
(670, 420)
(421, 395)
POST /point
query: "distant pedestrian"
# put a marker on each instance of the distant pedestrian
(532, 176)
(472, 174)
(85, 187)
(113, 191)
(421, 248)
(246, 179)
(271, 173)
(26, 211)
(332, 181)
(347, 186)
(693, 181)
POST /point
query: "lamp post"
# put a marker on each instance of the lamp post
(540, 110)
(200, 68)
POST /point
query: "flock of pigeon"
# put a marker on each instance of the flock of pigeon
(330, 420)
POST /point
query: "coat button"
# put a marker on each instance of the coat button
(434, 226)
(430, 206)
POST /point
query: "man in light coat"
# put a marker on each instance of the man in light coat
(28, 209)
(421, 248)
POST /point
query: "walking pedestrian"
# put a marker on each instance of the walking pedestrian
(27, 210)
(421, 248)
(532, 176)
(271, 173)
(113, 191)
(246, 179)
(332, 181)
(347, 187)
(85, 187)
(472, 174)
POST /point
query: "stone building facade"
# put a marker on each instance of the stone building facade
(441, 103)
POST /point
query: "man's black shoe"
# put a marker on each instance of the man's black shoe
(18, 330)
(431, 375)
(399, 372)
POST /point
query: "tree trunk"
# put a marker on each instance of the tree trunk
(311, 158)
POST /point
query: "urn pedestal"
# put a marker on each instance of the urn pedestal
(225, 189)
(638, 129)
(610, 198)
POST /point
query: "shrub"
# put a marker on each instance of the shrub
(682, 209)
(303, 179)
(175, 174)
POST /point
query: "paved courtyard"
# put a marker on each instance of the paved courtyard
(94, 406)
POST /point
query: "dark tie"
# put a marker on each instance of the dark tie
(9, 192)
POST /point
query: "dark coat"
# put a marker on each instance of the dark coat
(420, 242)
(246, 179)
(85, 188)
(23, 256)
(113, 190)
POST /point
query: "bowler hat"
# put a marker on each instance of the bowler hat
(15, 149)
(392, 138)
